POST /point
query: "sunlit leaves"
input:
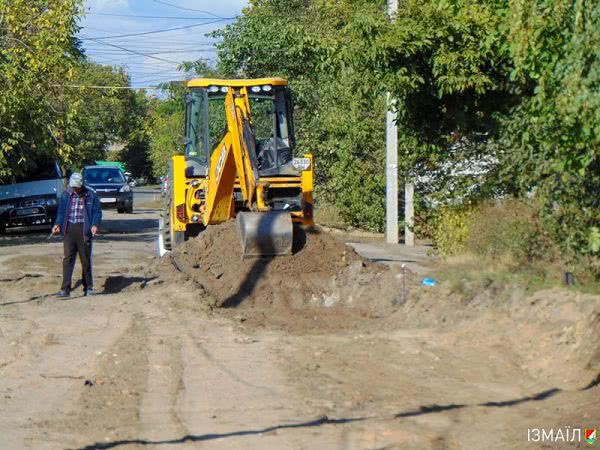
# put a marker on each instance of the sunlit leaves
(37, 51)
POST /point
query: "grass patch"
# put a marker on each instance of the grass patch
(468, 275)
(329, 216)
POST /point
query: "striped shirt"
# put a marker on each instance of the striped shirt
(76, 206)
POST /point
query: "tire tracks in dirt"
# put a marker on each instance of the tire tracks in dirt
(109, 404)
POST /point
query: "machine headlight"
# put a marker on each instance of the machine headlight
(125, 188)
(213, 89)
(51, 202)
(255, 88)
(224, 89)
(301, 163)
(267, 88)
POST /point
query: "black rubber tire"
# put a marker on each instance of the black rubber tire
(170, 239)
(2, 228)
(166, 228)
(129, 210)
(120, 210)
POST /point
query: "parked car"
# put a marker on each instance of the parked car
(32, 197)
(111, 186)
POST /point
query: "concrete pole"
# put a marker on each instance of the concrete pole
(391, 191)
(409, 213)
(391, 156)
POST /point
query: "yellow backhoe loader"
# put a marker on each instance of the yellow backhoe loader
(239, 163)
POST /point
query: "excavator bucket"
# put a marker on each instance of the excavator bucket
(265, 233)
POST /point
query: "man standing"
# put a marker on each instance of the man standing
(78, 219)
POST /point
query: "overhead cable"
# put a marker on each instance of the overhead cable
(161, 17)
(183, 8)
(153, 32)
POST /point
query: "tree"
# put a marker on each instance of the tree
(38, 51)
(552, 138)
(105, 113)
(165, 127)
(506, 89)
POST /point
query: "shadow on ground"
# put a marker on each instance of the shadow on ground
(115, 284)
(423, 410)
(128, 225)
(22, 236)
(211, 436)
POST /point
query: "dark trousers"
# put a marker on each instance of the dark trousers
(76, 243)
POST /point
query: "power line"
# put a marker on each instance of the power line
(154, 32)
(81, 86)
(134, 52)
(184, 9)
(165, 52)
(160, 39)
(161, 17)
(162, 80)
(141, 47)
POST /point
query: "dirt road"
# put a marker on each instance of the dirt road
(149, 363)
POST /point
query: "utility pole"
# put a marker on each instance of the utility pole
(409, 213)
(391, 158)
(391, 163)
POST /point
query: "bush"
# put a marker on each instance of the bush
(451, 229)
(511, 231)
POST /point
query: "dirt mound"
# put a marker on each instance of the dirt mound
(322, 271)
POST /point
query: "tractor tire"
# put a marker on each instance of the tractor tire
(170, 239)
(120, 210)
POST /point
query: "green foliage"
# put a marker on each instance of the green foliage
(339, 115)
(164, 126)
(514, 85)
(451, 229)
(38, 52)
(511, 230)
(97, 119)
(552, 137)
(41, 113)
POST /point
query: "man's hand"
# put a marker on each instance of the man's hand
(94, 230)
(56, 229)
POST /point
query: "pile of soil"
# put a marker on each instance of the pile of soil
(322, 271)
(325, 286)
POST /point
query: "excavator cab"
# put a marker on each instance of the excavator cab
(239, 162)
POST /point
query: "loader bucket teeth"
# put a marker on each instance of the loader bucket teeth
(265, 234)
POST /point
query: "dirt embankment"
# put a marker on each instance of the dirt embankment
(322, 272)
(326, 287)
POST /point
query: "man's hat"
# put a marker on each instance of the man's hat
(76, 180)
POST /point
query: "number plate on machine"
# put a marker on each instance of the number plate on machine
(27, 211)
(108, 200)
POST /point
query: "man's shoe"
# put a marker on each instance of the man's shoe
(88, 292)
(63, 294)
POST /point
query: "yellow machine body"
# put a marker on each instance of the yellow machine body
(229, 170)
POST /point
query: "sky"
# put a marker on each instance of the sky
(152, 58)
